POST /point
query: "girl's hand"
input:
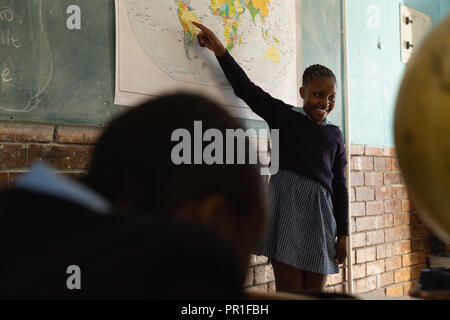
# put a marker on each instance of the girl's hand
(208, 39)
(341, 249)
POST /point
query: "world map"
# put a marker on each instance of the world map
(259, 34)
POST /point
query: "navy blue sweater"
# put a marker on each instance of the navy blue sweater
(306, 147)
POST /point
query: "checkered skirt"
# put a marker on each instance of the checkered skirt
(301, 230)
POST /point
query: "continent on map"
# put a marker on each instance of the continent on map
(273, 54)
(231, 11)
(186, 16)
(260, 34)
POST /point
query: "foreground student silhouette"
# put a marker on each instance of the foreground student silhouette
(140, 226)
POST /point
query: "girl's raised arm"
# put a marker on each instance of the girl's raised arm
(261, 102)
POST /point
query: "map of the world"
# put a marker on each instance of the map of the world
(256, 32)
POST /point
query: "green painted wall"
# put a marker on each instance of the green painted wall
(375, 74)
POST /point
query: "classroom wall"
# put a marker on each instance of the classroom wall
(375, 74)
(390, 242)
(322, 44)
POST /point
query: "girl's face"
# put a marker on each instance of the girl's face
(319, 97)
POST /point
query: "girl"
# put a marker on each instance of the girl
(310, 197)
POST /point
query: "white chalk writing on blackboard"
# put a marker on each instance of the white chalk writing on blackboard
(6, 75)
(8, 17)
(7, 14)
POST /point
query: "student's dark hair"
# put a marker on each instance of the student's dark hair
(132, 160)
(315, 71)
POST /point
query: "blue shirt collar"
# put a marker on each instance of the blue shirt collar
(303, 112)
(41, 179)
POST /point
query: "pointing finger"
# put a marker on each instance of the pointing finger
(202, 27)
(199, 25)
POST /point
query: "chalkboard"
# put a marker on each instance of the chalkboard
(54, 70)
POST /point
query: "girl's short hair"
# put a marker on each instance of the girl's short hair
(315, 71)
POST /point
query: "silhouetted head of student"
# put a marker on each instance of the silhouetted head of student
(133, 167)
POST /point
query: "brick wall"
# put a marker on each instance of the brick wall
(390, 243)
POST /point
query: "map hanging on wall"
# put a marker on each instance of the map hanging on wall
(158, 52)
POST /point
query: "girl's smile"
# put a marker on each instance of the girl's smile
(319, 98)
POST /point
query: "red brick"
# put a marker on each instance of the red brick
(382, 164)
(398, 247)
(13, 176)
(260, 275)
(257, 260)
(392, 178)
(357, 178)
(365, 193)
(390, 152)
(12, 156)
(362, 163)
(406, 206)
(358, 240)
(249, 279)
(3, 180)
(395, 165)
(272, 287)
(373, 178)
(334, 278)
(381, 251)
(393, 263)
(365, 254)
(401, 219)
(339, 288)
(375, 237)
(402, 275)
(414, 258)
(58, 156)
(394, 291)
(77, 135)
(392, 206)
(358, 209)
(383, 192)
(416, 270)
(388, 220)
(407, 287)
(374, 207)
(374, 151)
(359, 271)
(366, 284)
(375, 267)
(397, 233)
(367, 223)
(356, 149)
(386, 279)
(25, 132)
(399, 192)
